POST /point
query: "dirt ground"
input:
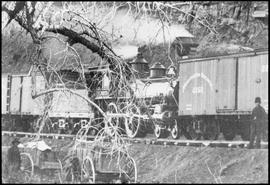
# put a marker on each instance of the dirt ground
(174, 164)
(178, 164)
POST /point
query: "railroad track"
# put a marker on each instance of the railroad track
(151, 141)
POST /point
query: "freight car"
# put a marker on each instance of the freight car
(22, 108)
(216, 94)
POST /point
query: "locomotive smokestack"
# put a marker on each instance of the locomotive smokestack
(140, 66)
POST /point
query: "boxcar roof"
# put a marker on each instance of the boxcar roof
(242, 54)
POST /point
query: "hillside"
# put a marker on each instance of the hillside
(234, 29)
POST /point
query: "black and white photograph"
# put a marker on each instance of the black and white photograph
(132, 92)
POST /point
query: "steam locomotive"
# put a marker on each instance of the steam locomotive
(210, 96)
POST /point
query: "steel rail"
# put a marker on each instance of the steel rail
(147, 141)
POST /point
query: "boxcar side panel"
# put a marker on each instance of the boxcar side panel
(226, 84)
(197, 88)
(39, 83)
(38, 103)
(253, 81)
(15, 95)
(4, 94)
(65, 103)
(27, 101)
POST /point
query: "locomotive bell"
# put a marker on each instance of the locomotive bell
(157, 70)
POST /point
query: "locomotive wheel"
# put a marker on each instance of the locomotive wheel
(133, 125)
(175, 131)
(27, 166)
(211, 132)
(88, 171)
(160, 132)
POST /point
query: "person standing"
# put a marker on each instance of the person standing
(13, 159)
(257, 123)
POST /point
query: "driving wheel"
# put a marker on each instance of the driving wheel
(133, 124)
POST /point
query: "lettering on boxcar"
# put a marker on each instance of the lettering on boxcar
(198, 75)
(197, 90)
(188, 106)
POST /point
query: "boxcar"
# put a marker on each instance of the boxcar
(20, 107)
(217, 94)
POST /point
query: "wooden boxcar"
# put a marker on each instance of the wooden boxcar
(20, 107)
(217, 94)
